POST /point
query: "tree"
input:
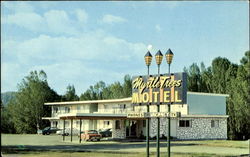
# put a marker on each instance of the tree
(27, 109)
(127, 86)
(228, 78)
(113, 91)
(94, 92)
(7, 125)
(220, 67)
(239, 101)
(70, 94)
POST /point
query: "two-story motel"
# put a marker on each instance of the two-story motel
(202, 117)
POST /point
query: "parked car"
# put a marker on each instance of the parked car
(106, 132)
(82, 132)
(39, 131)
(91, 135)
(60, 132)
(49, 130)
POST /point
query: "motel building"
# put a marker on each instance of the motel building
(203, 116)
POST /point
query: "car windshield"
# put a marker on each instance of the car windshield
(47, 128)
(92, 132)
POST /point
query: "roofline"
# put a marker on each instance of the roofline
(204, 116)
(90, 101)
(129, 99)
(209, 94)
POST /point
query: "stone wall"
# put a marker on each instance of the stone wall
(153, 127)
(119, 133)
(201, 129)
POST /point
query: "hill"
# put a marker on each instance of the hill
(6, 97)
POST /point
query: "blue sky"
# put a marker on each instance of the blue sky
(81, 43)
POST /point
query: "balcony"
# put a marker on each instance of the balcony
(116, 110)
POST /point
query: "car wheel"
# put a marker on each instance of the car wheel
(98, 139)
(47, 133)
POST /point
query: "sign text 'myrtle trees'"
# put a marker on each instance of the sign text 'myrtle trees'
(161, 89)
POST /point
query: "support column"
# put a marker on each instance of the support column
(169, 124)
(158, 123)
(148, 136)
(158, 132)
(71, 130)
(63, 129)
(80, 139)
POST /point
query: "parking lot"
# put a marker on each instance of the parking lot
(53, 143)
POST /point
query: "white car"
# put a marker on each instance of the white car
(60, 132)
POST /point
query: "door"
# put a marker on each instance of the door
(173, 127)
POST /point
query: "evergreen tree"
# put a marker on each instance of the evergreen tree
(70, 94)
(28, 108)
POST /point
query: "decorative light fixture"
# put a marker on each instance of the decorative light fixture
(158, 57)
(148, 58)
(169, 56)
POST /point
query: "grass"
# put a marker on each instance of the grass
(53, 146)
(93, 154)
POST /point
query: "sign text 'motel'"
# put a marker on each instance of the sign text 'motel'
(161, 89)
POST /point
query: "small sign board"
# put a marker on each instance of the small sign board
(136, 115)
(160, 114)
(152, 114)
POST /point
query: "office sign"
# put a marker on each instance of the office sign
(136, 115)
(152, 114)
(163, 89)
(160, 114)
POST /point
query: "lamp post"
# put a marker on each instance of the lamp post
(158, 58)
(169, 56)
(148, 59)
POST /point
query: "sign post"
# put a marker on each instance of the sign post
(164, 89)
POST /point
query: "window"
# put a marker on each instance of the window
(117, 124)
(214, 123)
(67, 110)
(55, 109)
(78, 123)
(55, 124)
(122, 106)
(106, 123)
(66, 124)
(144, 123)
(78, 108)
(184, 123)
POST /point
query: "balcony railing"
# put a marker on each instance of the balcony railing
(116, 110)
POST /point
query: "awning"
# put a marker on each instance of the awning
(96, 116)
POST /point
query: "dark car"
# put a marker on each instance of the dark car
(106, 132)
(49, 130)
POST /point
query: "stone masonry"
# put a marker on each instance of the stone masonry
(200, 128)
(119, 133)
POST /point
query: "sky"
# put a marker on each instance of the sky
(81, 43)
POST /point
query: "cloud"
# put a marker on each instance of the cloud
(52, 21)
(81, 15)
(80, 60)
(110, 19)
(96, 45)
(18, 7)
(30, 21)
(58, 21)
(158, 28)
(11, 74)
